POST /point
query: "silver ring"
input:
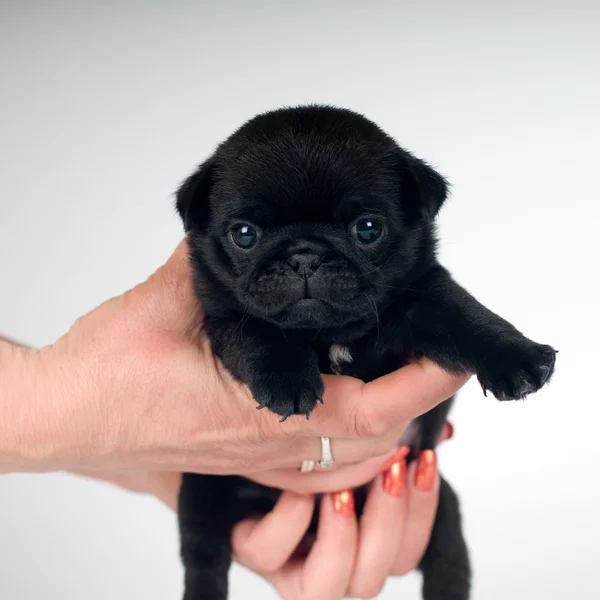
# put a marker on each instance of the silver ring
(326, 461)
(326, 456)
(307, 466)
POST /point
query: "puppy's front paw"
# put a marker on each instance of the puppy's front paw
(515, 368)
(288, 393)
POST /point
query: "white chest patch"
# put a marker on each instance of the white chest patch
(339, 355)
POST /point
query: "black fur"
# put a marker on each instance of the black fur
(302, 178)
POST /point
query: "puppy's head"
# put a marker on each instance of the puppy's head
(309, 218)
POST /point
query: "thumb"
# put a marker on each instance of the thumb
(405, 394)
(353, 408)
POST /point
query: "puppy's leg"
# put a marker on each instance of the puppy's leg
(209, 507)
(205, 529)
(449, 326)
(445, 565)
(280, 369)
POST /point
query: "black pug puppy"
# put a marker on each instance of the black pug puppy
(312, 229)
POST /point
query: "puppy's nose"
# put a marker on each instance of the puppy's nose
(304, 263)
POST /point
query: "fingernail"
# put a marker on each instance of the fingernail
(447, 431)
(399, 455)
(426, 471)
(343, 503)
(450, 430)
(394, 478)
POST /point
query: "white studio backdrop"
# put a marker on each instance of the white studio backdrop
(105, 107)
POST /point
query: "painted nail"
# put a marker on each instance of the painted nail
(399, 455)
(426, 471)
(394, 478)
(447, 432)
(343, 503)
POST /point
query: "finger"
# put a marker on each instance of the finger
(380, 529)
(353, 409)
(423, 496)
(325, 573)
(346, 451)
(404, 395)
(322, 480)
(447, 432)
(326, 480)
(253, 540)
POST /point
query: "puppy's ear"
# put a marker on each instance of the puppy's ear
(424, 190)
(192, 197)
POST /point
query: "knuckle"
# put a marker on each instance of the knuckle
(256, 557)
(367, 424)
(266, 562)
(265, 429)
(289, 430)
(363, 428)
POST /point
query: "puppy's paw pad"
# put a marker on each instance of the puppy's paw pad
(517, 369)
(287, 394)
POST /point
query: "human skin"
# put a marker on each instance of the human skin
(134, 395)
(135, 385)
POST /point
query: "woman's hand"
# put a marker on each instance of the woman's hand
(356, 557)
(348, 557)
(135, 385)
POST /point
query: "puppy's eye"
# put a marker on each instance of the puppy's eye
(366, 231)
(244, 235)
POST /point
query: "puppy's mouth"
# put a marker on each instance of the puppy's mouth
(306, 312)
(308, 306)
(308, 303)
(328, 294)
(310, 313)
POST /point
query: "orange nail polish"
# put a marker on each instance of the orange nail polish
(425, 471)
(343, 503)
(394, 478)
(399, 455)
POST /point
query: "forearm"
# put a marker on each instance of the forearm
(15, 394)
(33, 435)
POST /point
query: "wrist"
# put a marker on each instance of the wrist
(16, 376)
(41, 428)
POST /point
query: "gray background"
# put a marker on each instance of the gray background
(105, 107)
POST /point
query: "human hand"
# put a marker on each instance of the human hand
(165, 485)
(348, 557)
(393, 531)
(135, 385)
